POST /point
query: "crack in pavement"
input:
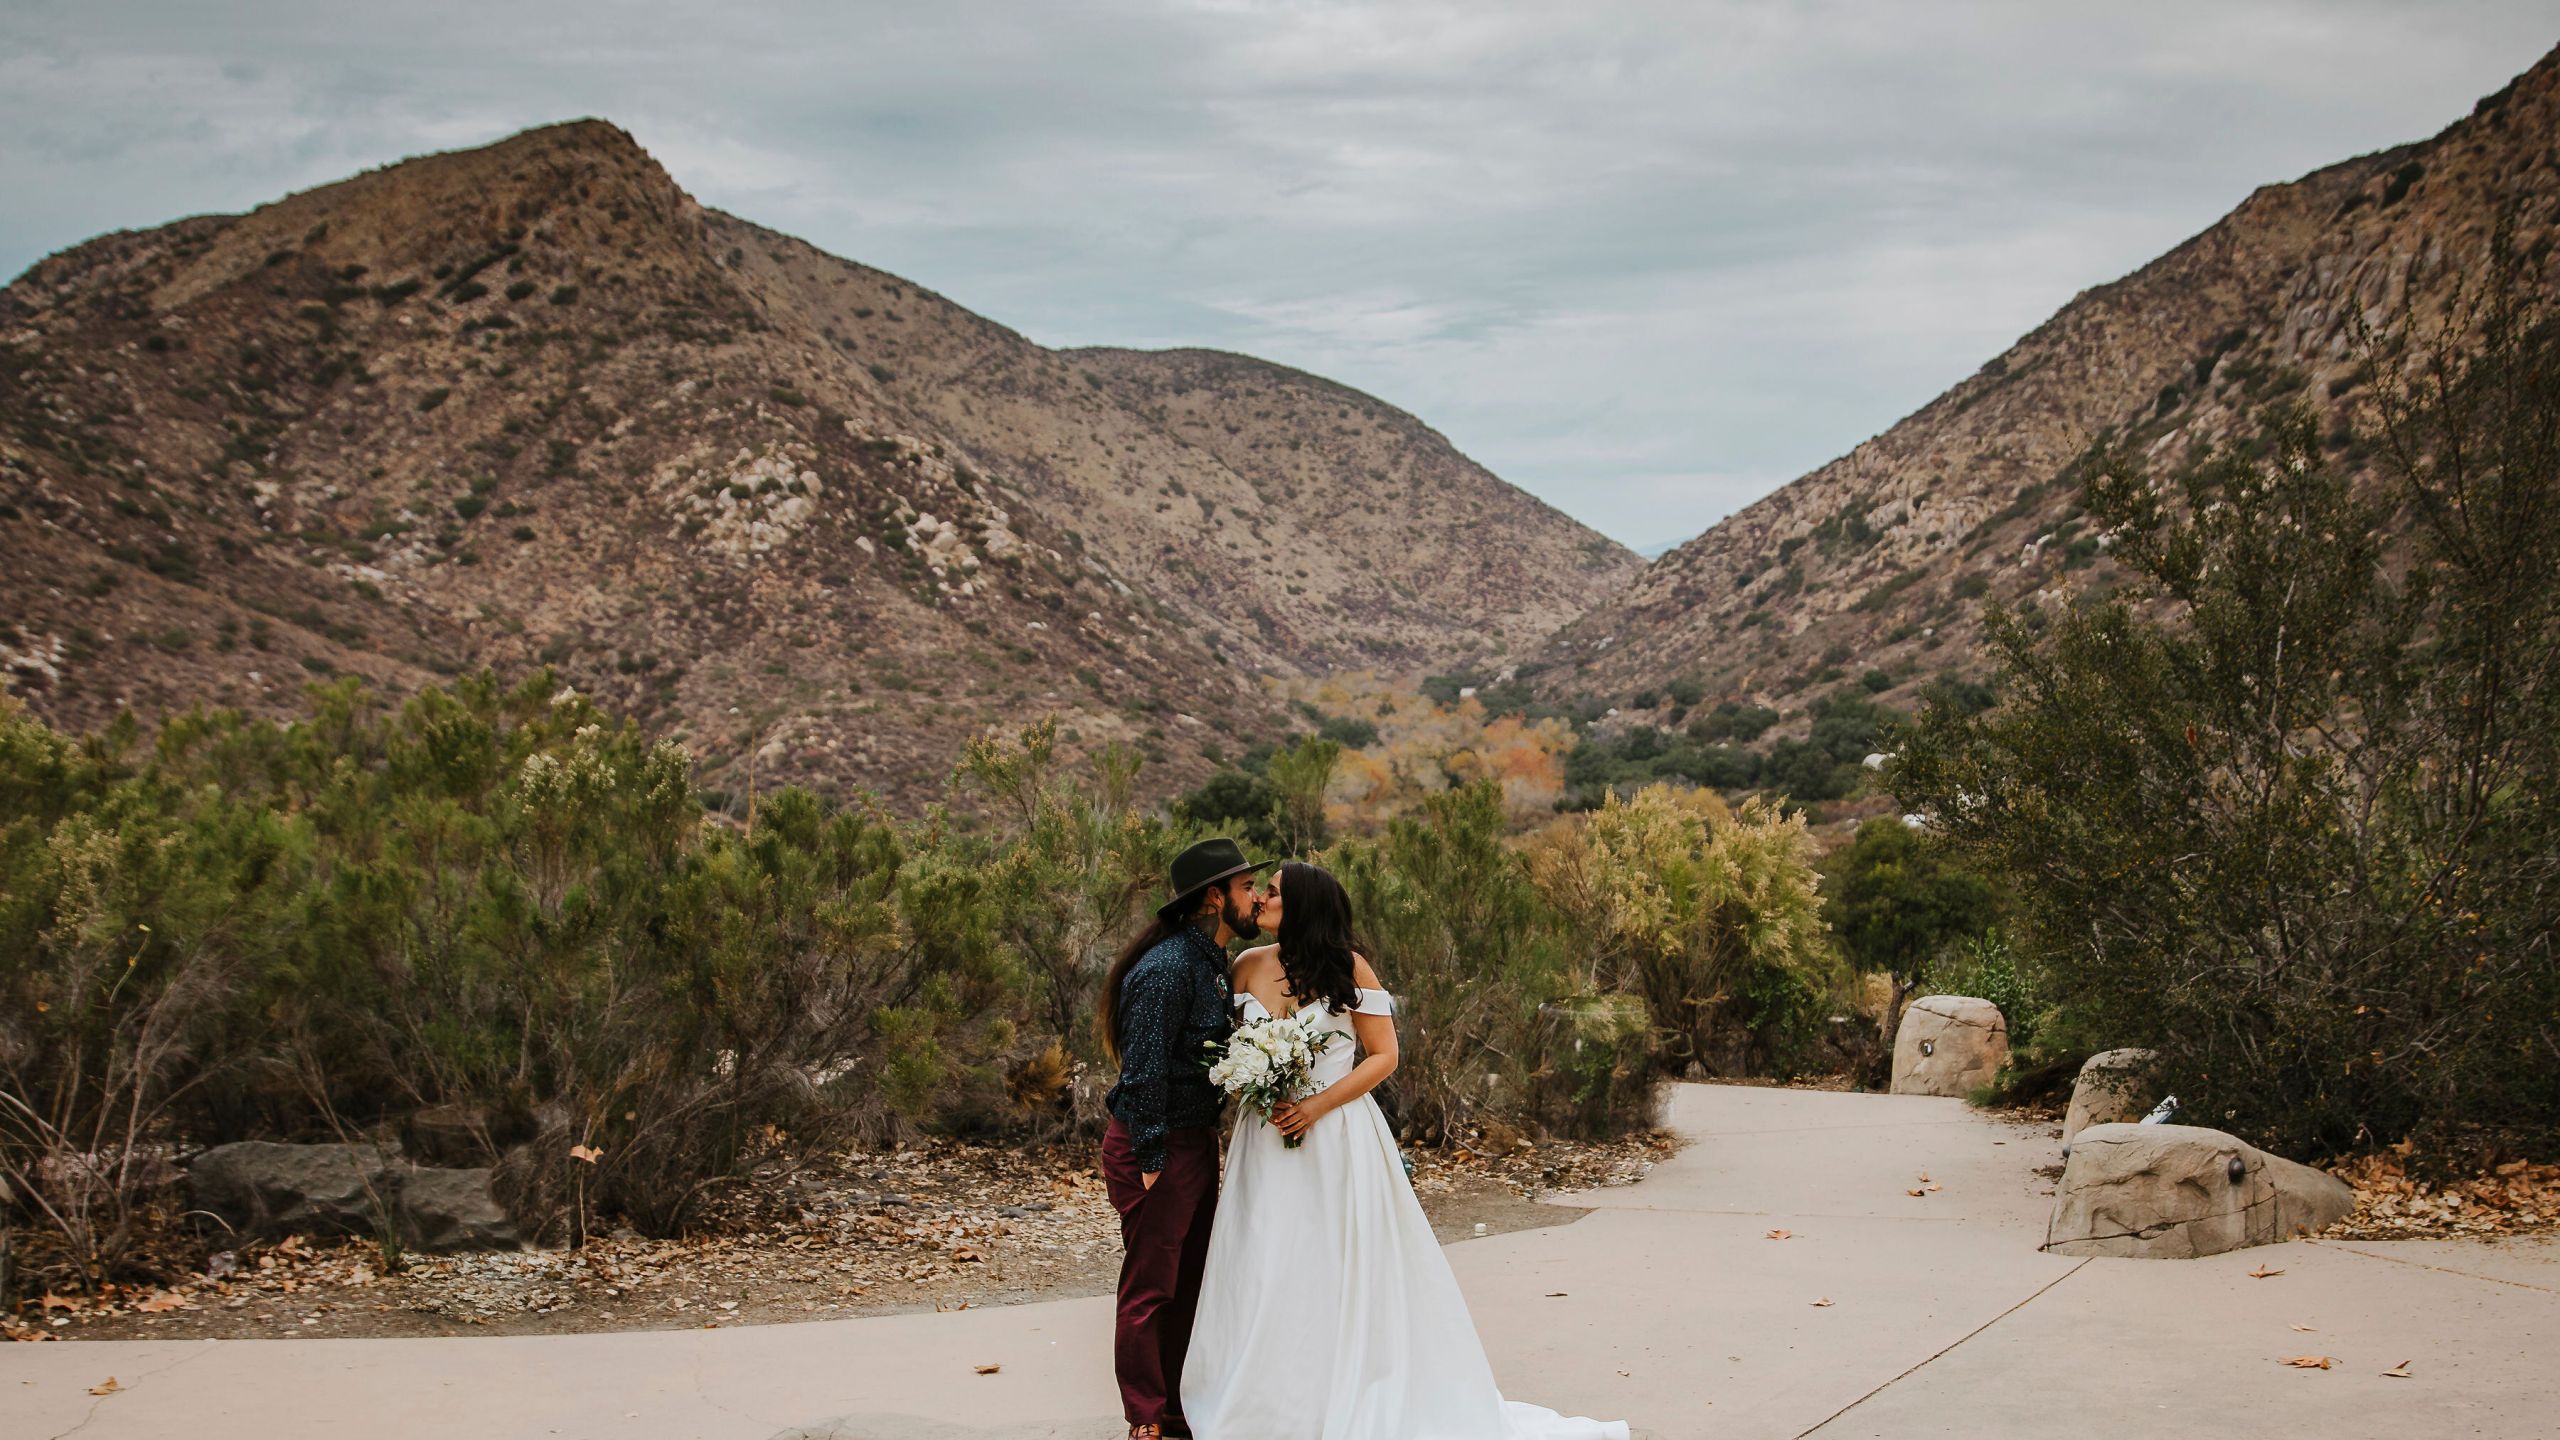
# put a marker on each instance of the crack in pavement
(2439, 1269)
(198, 1348)
(1942, 1351)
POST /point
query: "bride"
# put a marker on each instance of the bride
(1327, 1311)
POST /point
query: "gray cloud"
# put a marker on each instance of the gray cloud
(1649, 260)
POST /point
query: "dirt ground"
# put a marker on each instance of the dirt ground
(939, 1227)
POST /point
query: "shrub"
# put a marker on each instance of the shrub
(1349, 732)
(1730, 720)
(1470, 951)
(1708, 915)
(2299, 834)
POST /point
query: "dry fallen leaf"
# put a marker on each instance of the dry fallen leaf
(989, 1369)
(1556, 1294)
(2305, 1329)
(2263, 1273)
(1916, 1192)
(588, 1153)
(108, 1388)
(159, 1301)
(1818, 1304)
(2311, 1362)
(1781, 1234)
(2399, 1371)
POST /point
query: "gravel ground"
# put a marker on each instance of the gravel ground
(944, 1226)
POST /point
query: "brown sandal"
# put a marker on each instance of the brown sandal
(1146, 1432)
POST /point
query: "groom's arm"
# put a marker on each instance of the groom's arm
(1151, 1011)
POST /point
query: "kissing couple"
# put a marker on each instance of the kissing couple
(1314, 1303)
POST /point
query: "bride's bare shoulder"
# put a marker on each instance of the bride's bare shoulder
(1364, 974)
(1254, 961)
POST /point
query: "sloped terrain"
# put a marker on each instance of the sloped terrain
(1880, 560)
(532, 404)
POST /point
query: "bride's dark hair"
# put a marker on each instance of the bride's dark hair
(1316, 942)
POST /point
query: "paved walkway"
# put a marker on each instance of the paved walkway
(1667, 1305)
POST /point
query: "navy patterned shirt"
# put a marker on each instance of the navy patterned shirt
(1173, 1004)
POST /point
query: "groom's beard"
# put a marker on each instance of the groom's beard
(1240, 922)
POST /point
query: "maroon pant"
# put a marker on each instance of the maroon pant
(1164, 1233)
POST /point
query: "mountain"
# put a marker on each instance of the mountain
(533, 404)
(1880, 559)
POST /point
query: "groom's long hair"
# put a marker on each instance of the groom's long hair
(1316, 942)
(1106, 1009)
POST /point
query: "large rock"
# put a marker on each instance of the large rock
(452, 1210)
(262, 1190)
(2173, 1192)
(2114, 1086)
(1949, 1045)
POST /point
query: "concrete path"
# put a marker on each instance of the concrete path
(1666, 1305)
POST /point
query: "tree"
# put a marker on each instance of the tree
(1299, 775)
(2288, 809)
(1900, 904)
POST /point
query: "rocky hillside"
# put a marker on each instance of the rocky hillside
(1881, 560)
(532, 404)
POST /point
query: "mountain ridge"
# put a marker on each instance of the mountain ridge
(1872, 562)
(532, 403)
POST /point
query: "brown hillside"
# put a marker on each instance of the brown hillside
(531, 403)
(1880, 559)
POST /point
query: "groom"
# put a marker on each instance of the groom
(1164, 1001)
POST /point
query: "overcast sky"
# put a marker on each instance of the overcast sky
(1648, 260)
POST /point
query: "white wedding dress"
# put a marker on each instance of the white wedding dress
(1328, 1311)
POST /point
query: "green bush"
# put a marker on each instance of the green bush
(1708, 916)
(483, 897)
(497, 898)
(2299, 831)
(1470, 951)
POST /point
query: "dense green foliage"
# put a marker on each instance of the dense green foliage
(501, 904)
(1903, 909)
(1714, 751)
(2298, 827)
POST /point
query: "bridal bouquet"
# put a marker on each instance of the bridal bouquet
(1266, 1062)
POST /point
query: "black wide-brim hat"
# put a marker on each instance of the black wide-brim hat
(1202, 866)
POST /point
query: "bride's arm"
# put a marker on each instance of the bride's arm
(1377, 1035)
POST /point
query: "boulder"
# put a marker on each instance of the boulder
(265, 1191)
(262, 1190)
(452, 1210)
(2174, 1192)
(2114, 1086)
(1949, 1045)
